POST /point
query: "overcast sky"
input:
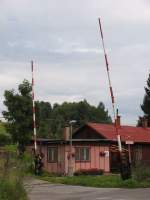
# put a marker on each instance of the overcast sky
(62, 37)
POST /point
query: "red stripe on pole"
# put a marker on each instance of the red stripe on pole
(32, 66)
(100, 26)
(32, 81)
(112, 96)
(111, 91)
(33, 109)
(106, 62)
(113, 100)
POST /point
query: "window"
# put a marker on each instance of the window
(52, 154)
(82, 154)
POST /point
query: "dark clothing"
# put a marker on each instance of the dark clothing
(38, 164)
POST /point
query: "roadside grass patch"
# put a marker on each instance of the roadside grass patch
(12, 190)
(103, 181)
(12, 172)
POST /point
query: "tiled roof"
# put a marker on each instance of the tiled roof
(127, 133)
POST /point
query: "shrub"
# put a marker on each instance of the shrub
(12, 171)
(141, 172)
(50, 174)
(27, 161)
(12, 190)
(92, 171)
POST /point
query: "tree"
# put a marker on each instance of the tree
(43, 119)
(5, 137)
(19, 114)
(50, 120)
(81, 111)
(146, 104)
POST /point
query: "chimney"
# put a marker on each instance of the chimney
(144, 122)
(66, 133)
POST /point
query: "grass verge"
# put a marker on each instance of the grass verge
(111, 181)
(12, 172)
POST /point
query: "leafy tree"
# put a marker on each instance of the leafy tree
(146, 104)
(82, 112)
(19, 114)
(43, 118)
(50, 120)
(5, 137)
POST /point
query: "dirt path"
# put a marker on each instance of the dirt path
(42, 190)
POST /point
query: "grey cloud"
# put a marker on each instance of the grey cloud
(63, 38)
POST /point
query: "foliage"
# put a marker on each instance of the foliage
(142, 172)
(81, 111)
(5, 137)
(12, 190)
(19, 113)
(2, 128)
(12, 171)
(43, 118)
(10, 148)
(146, 104)
(92, 171)
(50, 120)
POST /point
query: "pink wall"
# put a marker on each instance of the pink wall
(96, 160)
(58, 167)
(62, 166)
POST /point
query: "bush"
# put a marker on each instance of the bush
(92, 171)
(28, 163)
(50, 174)
(12, 171)
(5, 138)
(141, 172)
(12, 190)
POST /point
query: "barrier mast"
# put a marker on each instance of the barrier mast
(111, 89)
(33, 108)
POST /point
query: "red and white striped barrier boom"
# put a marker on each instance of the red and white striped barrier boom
(110, 86)
(33, 101)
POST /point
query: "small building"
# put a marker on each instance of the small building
(94, 147)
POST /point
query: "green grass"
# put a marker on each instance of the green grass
(12, 172)
(12, 190)
(111, 181)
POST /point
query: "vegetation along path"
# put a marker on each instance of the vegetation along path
(38, 189)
